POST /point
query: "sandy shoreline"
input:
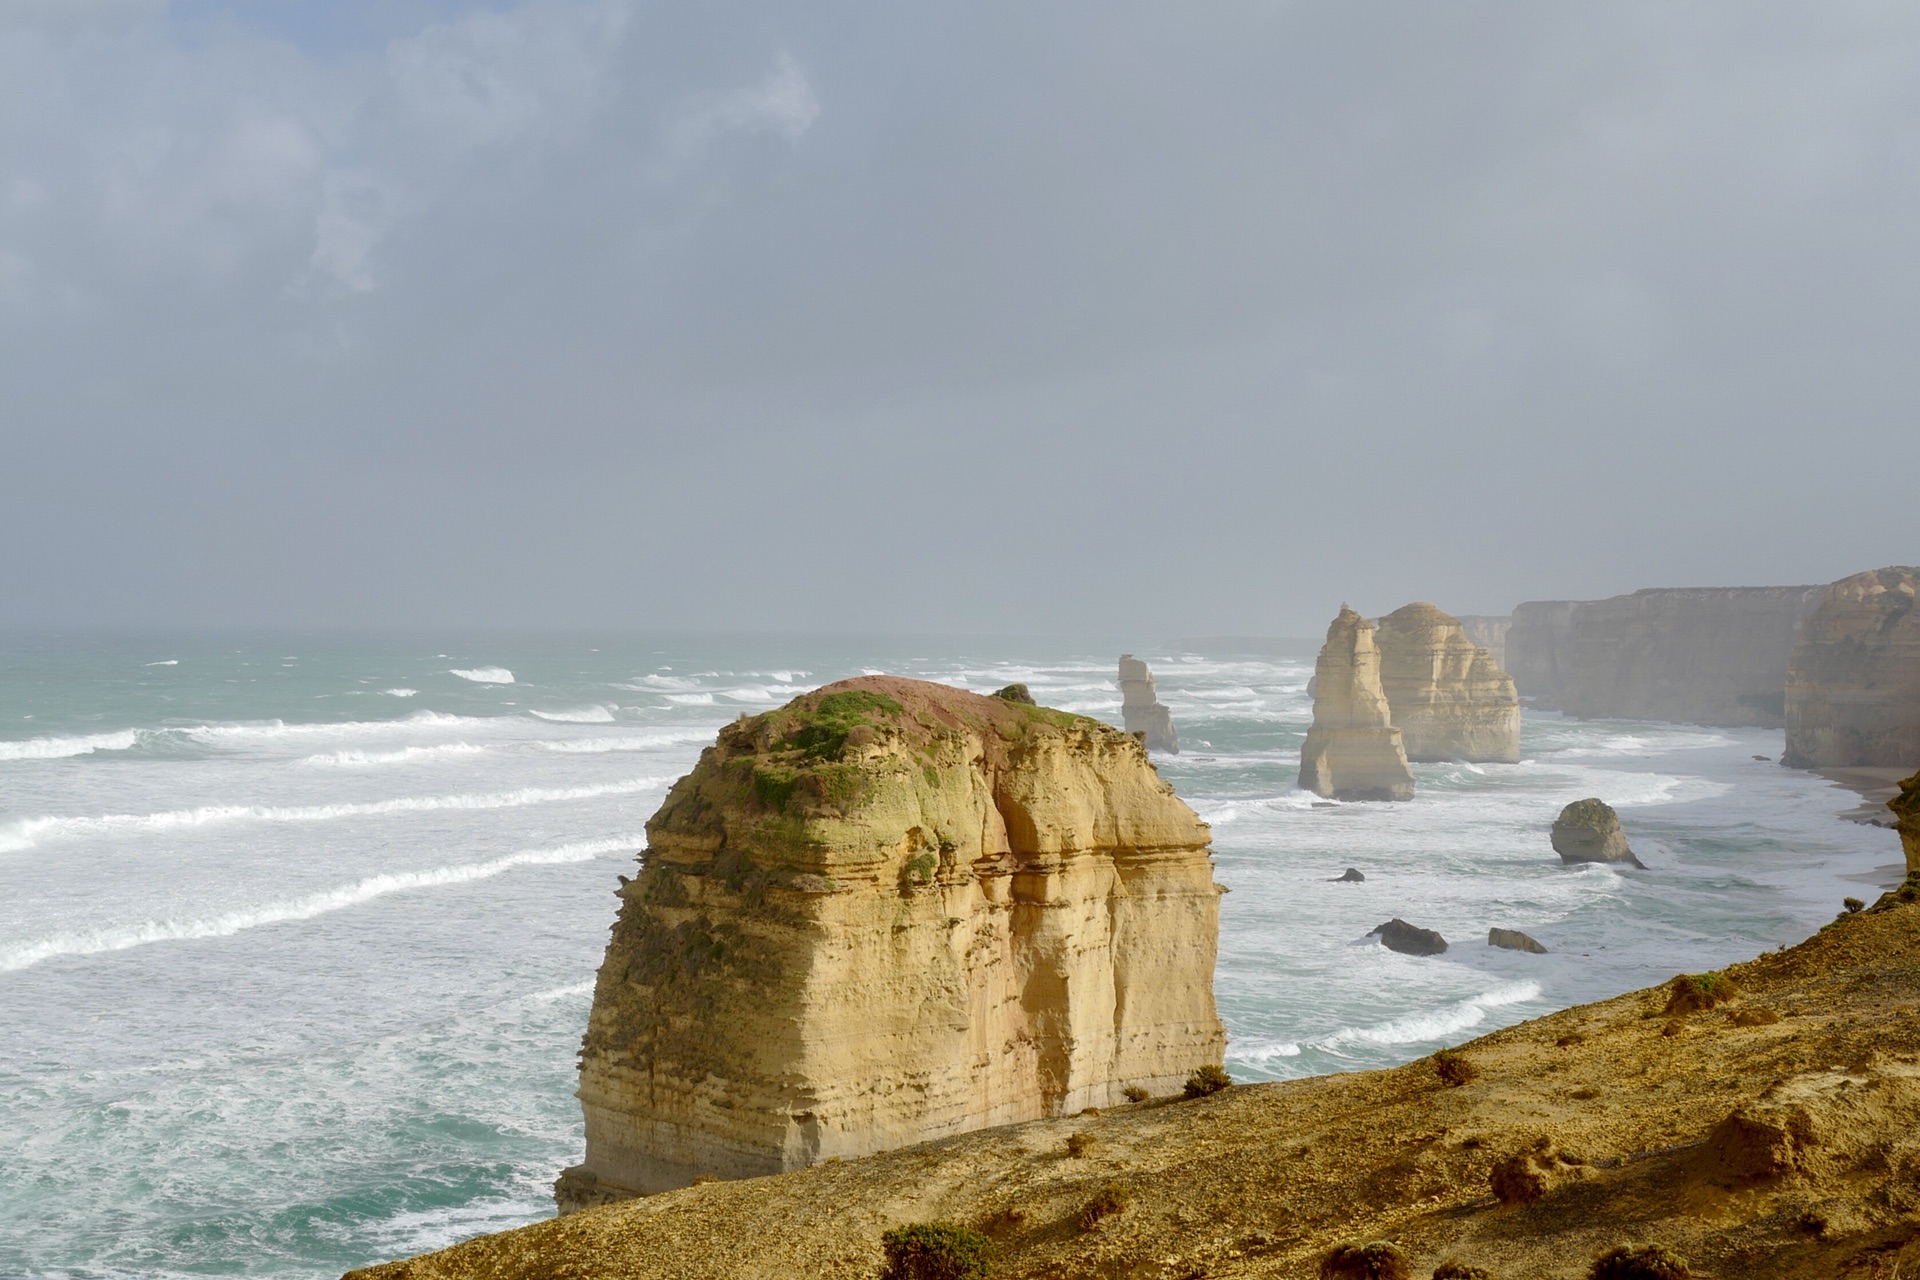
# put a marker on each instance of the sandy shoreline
(1875, 785)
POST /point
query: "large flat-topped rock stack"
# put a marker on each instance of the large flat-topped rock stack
(888, 912)
(1853, 687)
(1352, 752)
(1447, 696)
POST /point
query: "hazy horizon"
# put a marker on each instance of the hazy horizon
(575, 315)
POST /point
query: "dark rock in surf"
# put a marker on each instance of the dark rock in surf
(1352, 876)
(1408, 939)
(1589, 831)
(1514, 940)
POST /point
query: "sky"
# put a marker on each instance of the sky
(1114, 317)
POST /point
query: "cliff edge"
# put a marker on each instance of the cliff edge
(887, 912)
(1764, 1122)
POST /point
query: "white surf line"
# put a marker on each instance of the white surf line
(26, 833)
(60, 748)
(26, 954)
(1416, 1028)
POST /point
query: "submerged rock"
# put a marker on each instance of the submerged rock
(1397, 935)
(1514, 940)
(1447, 696)
(1589, 831)
(1853, 687)
(1352, 752)
(1352, 876)
(888, 912)
(1140, 708)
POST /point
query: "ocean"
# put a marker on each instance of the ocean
(298, 933)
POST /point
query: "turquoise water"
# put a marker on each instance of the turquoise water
(299, 932)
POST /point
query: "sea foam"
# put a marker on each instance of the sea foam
(28, 832)
(483, 675)
(306, 907)
(62, 748)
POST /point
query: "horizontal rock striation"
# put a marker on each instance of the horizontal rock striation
(1140, 707)
(1352, 752)
(1447, 696)
(892, 911)
(1695, 655)
(1853, 689)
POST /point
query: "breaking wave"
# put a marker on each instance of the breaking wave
(62, 748)
(483, 675)
(629, 741)
(1416, 1028)
(28, 832)
(93, 942)
(405, 755)
(579, 715)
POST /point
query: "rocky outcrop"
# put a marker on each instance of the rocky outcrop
(1697, 655)
(1906, 814)
(1351, 875)
(1352, 752)
(1140, 707)
(892, 911)
(1447, 696)
(1514, 940)
(1408, 939)
(1853, 689)
(1589, 831)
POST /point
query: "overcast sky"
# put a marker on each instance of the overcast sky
(1164, 319)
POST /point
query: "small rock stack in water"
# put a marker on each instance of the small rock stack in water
(1589, 831)
(1352, 752)
(1140, 708)
(888, 912)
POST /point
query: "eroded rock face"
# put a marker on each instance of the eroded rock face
(1853, 690)
(1140, 707)
(888, 912)
(1352, 752)
(1589, 831)
(1696, 655)
(1447, 696)
(1489, 631)
(1906, 814)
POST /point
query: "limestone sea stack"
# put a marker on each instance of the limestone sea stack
(1589, 831)
(887, 912)
(1140, 708)
(1447, 696)
(1352, 752)
(1853, 687)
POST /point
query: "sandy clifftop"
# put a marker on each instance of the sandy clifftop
(1765, 1124)
(887, 912)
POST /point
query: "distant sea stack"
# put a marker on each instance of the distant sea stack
(1589, 831)
(1352, 752)
(1447, 696)
(887, 912)
(1696, 655)
(1489, 631)
(1853, 689)
(1140, 707)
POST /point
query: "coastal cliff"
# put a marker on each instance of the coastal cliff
(1696, 655)
(1352, 752)
(1762, 1122)
(1489, 631)
(1140, 707)
(1447, 696)
(887, 912)
(1853, 688)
